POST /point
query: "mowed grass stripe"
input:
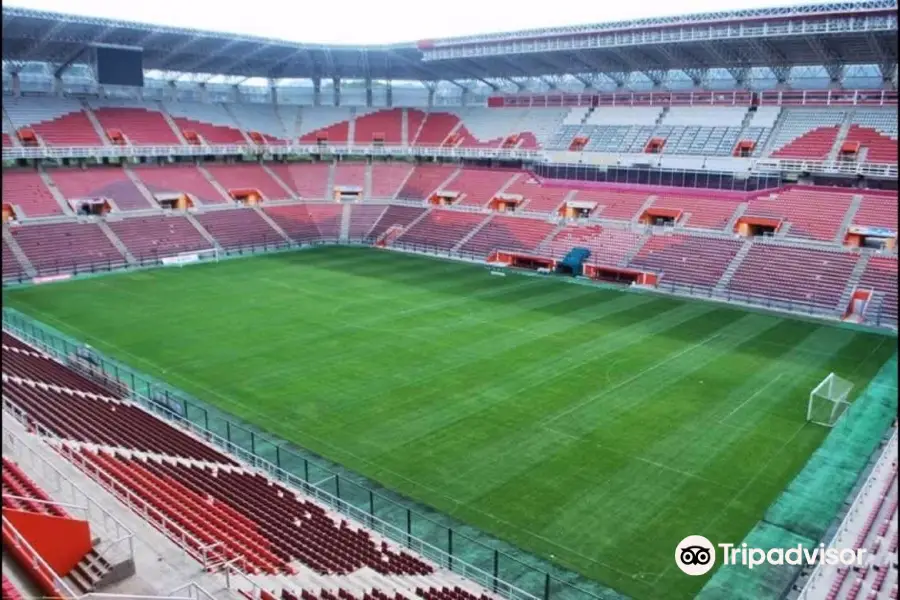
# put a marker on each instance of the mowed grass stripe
(569, 420)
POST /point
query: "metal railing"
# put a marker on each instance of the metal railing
(33, 561)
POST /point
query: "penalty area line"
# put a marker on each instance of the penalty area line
(747, 401)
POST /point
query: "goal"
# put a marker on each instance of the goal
(828, 401)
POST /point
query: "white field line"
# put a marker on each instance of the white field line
(754, 395)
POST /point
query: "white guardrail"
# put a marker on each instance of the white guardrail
(548, 157)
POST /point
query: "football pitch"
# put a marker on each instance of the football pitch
(590, 425)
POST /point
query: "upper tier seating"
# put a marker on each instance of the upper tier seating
(608, 246)
(238, 227)
(488, 127)
(158, 236)
(64, 247)
(142, 122)
(508, 233)
(58, 121)
(387, 124)
(210, 121)
(876, 132)
(308, 180)
(387, 179)
(877, 210)
(478, 186)
(434, 128)
(100, 182)
(813, 214)
(330, 121)
(441, 229)
(537, 198)
(264, 119)
(248, 176)
(624, 115)
(401, 216)
(881, 275)
(12, 270)
(26, 190)
(708, 213)
(798, 275)
(687, 260)
(807, 133)
(20, 493)
(362, 218)
(710, 116)
(612, 204)
(425, 180)
(180, 179)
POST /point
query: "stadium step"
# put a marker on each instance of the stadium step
(175, 129)
(207, 235)
(215, 184)
(367, 183)
(644, 207)
(403, 184)
(120, 246)
(345, 222)
(848, 218)
(11, 129)
(415, 137)
(351, 127)
(54, 191)
(446, 182)
(404, 127)
(773, 135)
(329, 184)
(101, 133)
(723, 282)
(855, 275)
(278, 180)
(634, 250)
(841, 136)
(237, 123)
(738, 213)
(18, 253)
(142, 188)
(272, 223)
(472, 233)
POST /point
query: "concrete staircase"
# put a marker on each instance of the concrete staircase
(175, 129)
(329, 185)
(647, 204)
(404, 127)
(841, 136)
(351, 128)
(215, 184)
(453, 131)
(544, 246)
(508, 183)
(848, 218)
(773, 135)
(17, 251)
(95, 122)
(415, 221)
(634, 251)
(728, 275)
(446, 182)
(403, 183)
(290, 193)
(367, 183)
(129, 257)
(54, 191)
(10, 129)
(855, 275)
(272, 223)
(472, 233)
(738, 213)
(238, 124)
(145, 192)
(418, 131)
(206, 234)
(345, 222)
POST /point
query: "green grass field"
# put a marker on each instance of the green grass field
(596, 426)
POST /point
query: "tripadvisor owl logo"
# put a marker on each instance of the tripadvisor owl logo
(695, 555)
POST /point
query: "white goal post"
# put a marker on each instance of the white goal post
(829, 400)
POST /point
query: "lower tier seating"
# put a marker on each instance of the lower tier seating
(11, 267)
(239, 227)
(877, 210)
(308, 222)
(21, 493)
(363, 218)
(608, 246)
(815, 278)
(441, 229)
(159, 236)
(66, 247)
(812, 214)
(687, 260)
(401, 216)
(508, 233)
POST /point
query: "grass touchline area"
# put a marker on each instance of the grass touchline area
(585, 424)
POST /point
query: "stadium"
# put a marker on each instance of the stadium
(510, 316)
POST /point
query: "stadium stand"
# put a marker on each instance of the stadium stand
(399, 216)
(388, 178)
(29, 194)
(158, 236)
(477, 187)
(180, 179)
(687, 260)
(55, 121)
(812, 213)
(211, 122)
(508, 233)
(110, 183)
(141, 122)
(441, 229)
(248, 177)
(235, 228)
(805, 133)
(308, 180)
(63, 247)
(425, 180)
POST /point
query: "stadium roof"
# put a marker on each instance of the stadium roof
(834, 35)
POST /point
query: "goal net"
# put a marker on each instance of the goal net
(829, 400)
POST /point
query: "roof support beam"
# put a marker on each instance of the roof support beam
(834, 66)
(64, 66)
(778, 62)
(42, 41)
(741, 75)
